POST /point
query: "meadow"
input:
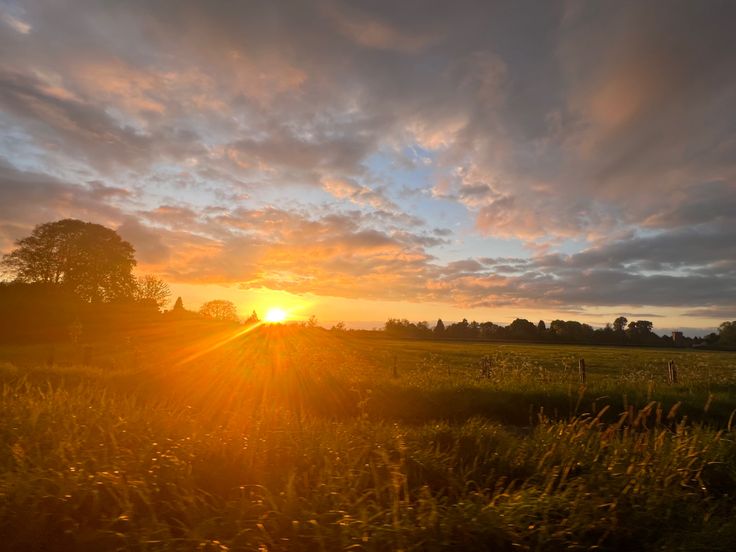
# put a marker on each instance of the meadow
(288, 438)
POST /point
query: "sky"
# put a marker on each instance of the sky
(365, 160)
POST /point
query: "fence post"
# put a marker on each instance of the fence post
(672, 372)
(581, 370)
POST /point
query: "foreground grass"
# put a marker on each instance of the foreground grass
(304, 445)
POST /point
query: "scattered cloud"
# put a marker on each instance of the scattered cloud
(356, 149)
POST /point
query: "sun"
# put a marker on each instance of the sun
(275, 315)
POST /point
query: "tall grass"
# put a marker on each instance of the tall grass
(303, 446)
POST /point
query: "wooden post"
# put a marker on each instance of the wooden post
(672, 372)
(396, 368)
(581, 371)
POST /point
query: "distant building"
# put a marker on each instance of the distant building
(678, 339)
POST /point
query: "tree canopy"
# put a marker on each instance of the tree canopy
(219, 309)
(88, 259)
(153, 290)
(727, 333)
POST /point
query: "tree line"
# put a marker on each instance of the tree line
(620, 332)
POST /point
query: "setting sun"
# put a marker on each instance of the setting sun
(275, 315)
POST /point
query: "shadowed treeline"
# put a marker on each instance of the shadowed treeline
(620, 332)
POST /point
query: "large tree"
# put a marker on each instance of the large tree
(727, 333)
(90, 260)
(619, 325)
(219, 309)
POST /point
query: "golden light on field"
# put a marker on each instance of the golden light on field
(275, 315)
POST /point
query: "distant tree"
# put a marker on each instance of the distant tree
(221, 310)
(312, 322)
(178, 305)
(439, 328)
(521, 328)
(152, 289)
(489, 330)
(422, 329)
(619, 324)
(252, 319)
(541, 327)
(712, 338)
(572, 330)
(640, 327)
(404, 328)
(727, 333)
(88, 259)
(459, 329)
(339, 327)
(640, 332)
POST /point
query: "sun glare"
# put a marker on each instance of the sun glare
(275, 315)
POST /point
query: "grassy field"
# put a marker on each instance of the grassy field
(298, 439)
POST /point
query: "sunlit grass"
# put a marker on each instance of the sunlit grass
(282, 438)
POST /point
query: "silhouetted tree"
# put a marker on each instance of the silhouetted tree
(640, 332)
(404, 328)
(219, 309)
(90, 260)
(619, 324)
(252, 319)
(571, 330)
(489, 330)
(521, 328)
(712, 338)
(541, 327)
(727, 333)
(640, 327)
(152, 289)
(178, 305)
(439, 328)
(459, 329)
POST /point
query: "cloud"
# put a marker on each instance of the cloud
(304, 147)
(148, 242)
(342, 254)
(727, 312)
(355, 193)
(374, 32)
(28, 198)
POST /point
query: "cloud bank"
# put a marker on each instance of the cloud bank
(558, 155)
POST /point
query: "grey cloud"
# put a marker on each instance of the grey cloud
(727, 312)
(607, 123)
(148, 242)
(27, 198)
(67, 123)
